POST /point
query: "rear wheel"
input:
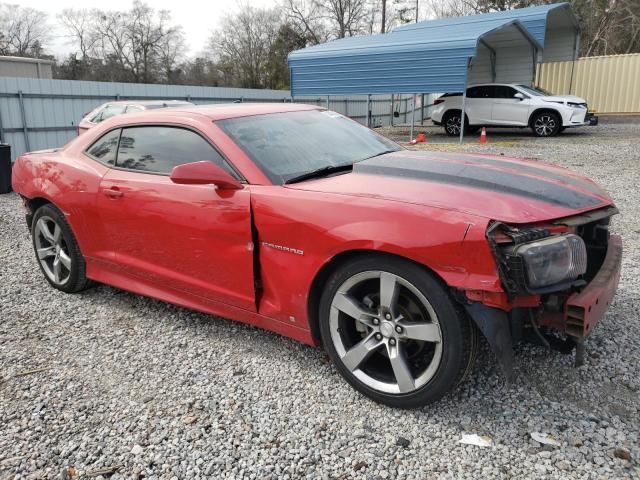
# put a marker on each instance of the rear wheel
(451, 123)
(545, 124)
(394, 333)
(57, 250)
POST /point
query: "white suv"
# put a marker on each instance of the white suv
(503, 105)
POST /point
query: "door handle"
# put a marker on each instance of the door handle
(113, 192)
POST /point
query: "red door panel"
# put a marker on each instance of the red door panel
(188, 237)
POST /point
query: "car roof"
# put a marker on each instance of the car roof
(222, 110)
(148, 102)
(492, 84)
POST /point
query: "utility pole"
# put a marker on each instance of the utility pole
(384, 16)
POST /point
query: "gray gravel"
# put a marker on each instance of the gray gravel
(106, 381)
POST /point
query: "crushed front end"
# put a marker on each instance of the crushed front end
(558, 278)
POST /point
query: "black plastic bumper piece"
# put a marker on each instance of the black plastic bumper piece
(495, 326)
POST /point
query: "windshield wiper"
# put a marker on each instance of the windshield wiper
(320, 172)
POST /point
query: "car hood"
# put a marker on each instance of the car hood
(563, 98)
(495, 187)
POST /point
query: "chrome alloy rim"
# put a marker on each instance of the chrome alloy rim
(545, 125)
(52, 250)
(453, 125)
(385, 332)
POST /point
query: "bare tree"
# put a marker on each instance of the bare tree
(80, 28)
(307, 17)
(23, 30)
(171, 54)
(346, 17)
(241, 47)
(139, 45)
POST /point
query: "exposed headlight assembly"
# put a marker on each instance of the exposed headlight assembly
(541, 265)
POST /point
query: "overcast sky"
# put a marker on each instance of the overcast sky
(197, 17)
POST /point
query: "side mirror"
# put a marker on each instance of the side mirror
(204, 173)
(519, 96)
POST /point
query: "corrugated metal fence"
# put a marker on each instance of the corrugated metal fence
(37, 114)
(610, 84)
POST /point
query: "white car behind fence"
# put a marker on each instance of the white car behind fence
(510, 105)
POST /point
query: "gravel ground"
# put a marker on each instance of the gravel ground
(105, 381)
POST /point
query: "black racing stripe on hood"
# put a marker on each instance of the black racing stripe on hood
(476, 177)
(522, 167)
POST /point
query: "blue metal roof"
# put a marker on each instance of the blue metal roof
(533, 18)
(426, 57)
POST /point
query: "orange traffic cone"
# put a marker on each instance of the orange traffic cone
(483, 136)
(421, 138)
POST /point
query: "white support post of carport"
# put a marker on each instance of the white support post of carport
(369, 111)
(413, 116)
(327, 102)
(464, 101)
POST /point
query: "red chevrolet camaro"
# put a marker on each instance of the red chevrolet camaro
(301, 221)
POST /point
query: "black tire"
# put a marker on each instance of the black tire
(73, 279)
(545, 124)
(459, 337)
(451, 123)
(562, 129)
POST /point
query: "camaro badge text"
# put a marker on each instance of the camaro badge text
(283, 248)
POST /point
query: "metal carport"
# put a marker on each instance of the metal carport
(437, 56)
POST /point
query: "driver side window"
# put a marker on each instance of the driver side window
(157, 149)
(502, 91)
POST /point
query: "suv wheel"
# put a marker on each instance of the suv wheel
(451, 123)
(545, 124)
(394, 333)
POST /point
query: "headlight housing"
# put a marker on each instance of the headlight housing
(551, 261)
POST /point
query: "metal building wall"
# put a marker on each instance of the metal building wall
(25, 67)
(40, 113)
(608, 83)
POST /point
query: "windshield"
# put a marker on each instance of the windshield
(535, 91)
(287, 145)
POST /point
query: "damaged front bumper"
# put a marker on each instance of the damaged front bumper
(580, 313)
(583, 310)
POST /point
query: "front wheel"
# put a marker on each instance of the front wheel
(57, 250)
(546, 124)
(394, 333)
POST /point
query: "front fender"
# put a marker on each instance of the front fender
(300, 235)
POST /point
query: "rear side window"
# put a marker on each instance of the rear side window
(480, 92)
(158, 149)
(104, 149)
